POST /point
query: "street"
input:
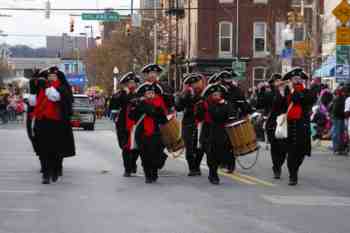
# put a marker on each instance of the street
(93, 196)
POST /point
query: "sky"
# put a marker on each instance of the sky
(35, 26)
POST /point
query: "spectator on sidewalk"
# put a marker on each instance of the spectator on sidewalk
(3, 109)
(338, 118)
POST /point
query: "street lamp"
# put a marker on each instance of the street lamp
(91, 32)
(115, 78)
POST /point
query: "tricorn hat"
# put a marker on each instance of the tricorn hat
(130, 76)
(212, 88)
(143, 88)
(151, 68)
(296, 72)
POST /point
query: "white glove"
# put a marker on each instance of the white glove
(52, 94)
(32, 100)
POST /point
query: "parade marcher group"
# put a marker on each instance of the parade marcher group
(142, 109)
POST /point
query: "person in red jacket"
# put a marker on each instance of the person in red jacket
(298, 117)
(52, 129)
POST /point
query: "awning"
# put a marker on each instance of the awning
(327, 69)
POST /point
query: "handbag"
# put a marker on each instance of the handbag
(281, 131)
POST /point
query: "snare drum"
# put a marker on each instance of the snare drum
(171, 135)
(242, 137)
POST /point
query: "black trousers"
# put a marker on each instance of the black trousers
(50, 165)
(193, 154)
(279, 150)
(129, 160)
(294, 161)
(194, 158)
(152, 156)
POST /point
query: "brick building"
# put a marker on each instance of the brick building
(217, 35)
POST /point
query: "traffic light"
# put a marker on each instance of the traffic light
(71, 28)
(127, 29)
(291, 17)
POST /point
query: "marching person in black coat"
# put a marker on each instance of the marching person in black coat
(300, 101)
(122, 101)
(151, 74)
(277, 106)
(236, 97)
(150, 113)
(33, 91)
(186, 102)
(215, 112)
(53, 133)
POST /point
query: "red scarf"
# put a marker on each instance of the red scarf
(296, 111)
(149, 123)
(45, 108)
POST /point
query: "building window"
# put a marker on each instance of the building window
(258, 75)
(261, 1)
(66, 68)
(76, 68)
(259, 39)
(225, 1)
(225, 39)
(299, 34)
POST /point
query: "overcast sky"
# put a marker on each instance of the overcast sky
(34, 23)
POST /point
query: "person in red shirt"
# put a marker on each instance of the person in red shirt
(52, 129)
(298, 117)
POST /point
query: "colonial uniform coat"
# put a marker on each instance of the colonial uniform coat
(149, 115)
(279, 147)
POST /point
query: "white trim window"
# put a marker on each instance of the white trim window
(259, 73)
(225, 39)
(259, 40)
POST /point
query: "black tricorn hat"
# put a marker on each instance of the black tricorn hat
(213, 79)
(143, 88)
(212, 88)
(296, 72)
(274, 77)
(151, 67)
(130, 76)
(226, 75)
(192, 78)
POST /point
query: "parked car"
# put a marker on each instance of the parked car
(84, 113)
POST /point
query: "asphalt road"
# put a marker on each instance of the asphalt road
(93, 197)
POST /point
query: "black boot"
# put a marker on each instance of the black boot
(154, 175)
(293, 180)
(148, 176)
(127, 174)
(46, 179)
(276, 173)
(213, 176)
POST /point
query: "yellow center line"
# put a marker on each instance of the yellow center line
(237, 178)
(256, 180)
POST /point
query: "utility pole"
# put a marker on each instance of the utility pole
(155, 34)
(176, 45)
(237, 28)
(189, 37)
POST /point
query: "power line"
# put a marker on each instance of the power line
(109, 9)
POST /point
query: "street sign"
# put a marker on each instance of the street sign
(286, 65)
(342, 72)
(343, 36)
(240, 68)
(342, 12)
(107, 16)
